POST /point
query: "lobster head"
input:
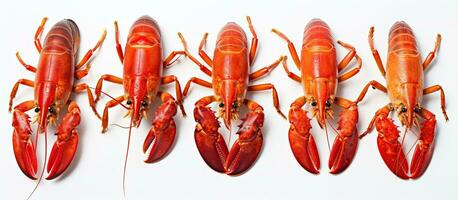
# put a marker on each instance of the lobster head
(138, 100)
(408, 106)
(231, 99)
(322, 100)
(47, 106)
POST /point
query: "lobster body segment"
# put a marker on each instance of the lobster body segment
(404, 71)
(230, 72)
(54, 83)
(319, 78)
(404, 80)
(318, 58)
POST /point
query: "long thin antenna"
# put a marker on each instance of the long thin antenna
(125, 160)
(416, 141)
(44, 165)
(120, 126)
(333, 128)
(400, 149)
(230, 136)
(120, 103)
(327, 135)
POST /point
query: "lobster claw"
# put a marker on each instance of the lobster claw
(209, 141)
(344, 148)
(424, 149)
(24, 150)
(64, 148)
(246, 148)
(162, 133)
(302, 142)
(389, 147)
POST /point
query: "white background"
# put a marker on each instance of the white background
(96, 172)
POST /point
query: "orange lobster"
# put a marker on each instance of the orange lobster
(404, 77)
(230, 73)
(142, 77)
(54, 83)
(319, 77)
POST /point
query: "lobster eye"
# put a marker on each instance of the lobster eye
(51, 110)
(403, 109)
(129, 102)
(313, 103)
(221, 104)
(235, 105)
(416, 109)
(328, 104)
(144, 103)
(37, 109)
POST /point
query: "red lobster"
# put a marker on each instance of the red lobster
(230, 73)
(404, 78)
(319, 77)
(54, 83)
(142, 77)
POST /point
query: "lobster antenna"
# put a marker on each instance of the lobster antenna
(416, 141)
(413, 145)
(400, 149)
(327, 135)
(125, 160)
(120, 126)
(44, 164)
(333, 128)
(36, 141)
(111, 97)
(230, 136)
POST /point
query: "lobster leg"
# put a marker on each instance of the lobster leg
(350, 55)
(300, 139)
(209, 141)
(25, 82)
(432, 54)
(196, 81)
(24, 149)
(27, 66)
(64, 148)
(254, 41)
(263, 71)
(90, 52)
(105, 77)
(163, 131)
(375, 85)
(170, 59)
(38, 34)
(268, 86)
(169, 79)
(375, 53)
(118, 45)
(247, 147)
(202, 67)
(83, 87)
(292, 49)
(345, 144)
(436, 88)
(110, 104)
(347, 60)
(79, 74)
(425, 147)
(202, 53)
(290, 74)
